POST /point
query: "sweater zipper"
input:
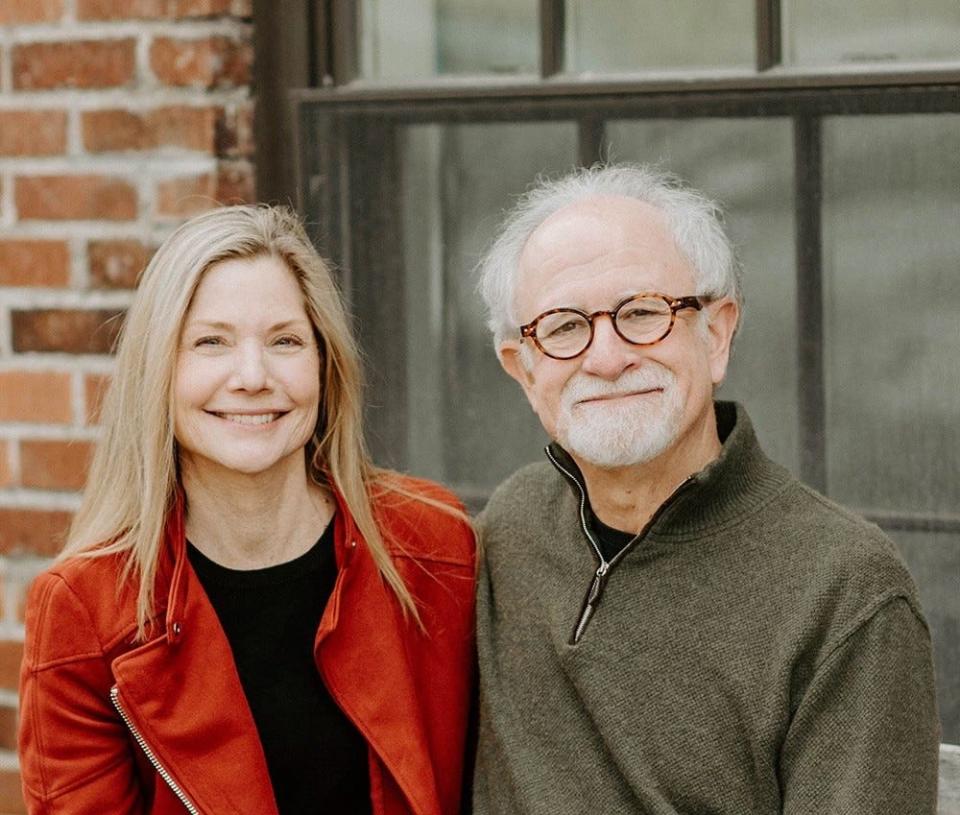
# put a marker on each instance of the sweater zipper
(599, 581)
(161, 770)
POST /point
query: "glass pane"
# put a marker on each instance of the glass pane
(470, 425)
(414, 39)
(891, 206)
(607, 36)
(934, 561)
(747, 165)
(825, 32)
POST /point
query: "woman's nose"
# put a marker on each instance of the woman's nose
(250, 368)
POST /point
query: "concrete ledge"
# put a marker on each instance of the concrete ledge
(949, 779)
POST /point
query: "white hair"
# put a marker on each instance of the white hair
(695, 221)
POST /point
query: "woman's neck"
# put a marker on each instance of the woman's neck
(252, 521)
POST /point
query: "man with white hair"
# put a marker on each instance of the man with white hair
(667, 621)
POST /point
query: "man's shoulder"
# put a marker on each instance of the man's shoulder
(528, 487)
(842, 546)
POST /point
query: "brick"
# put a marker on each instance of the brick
(191, 128)
(94, 387)
(35, 396)
(17, 12)
(116, 264)
(11, 654)
(74, 64)
(33, 132)
(235, 132)
(187, 196)
(6, 474)
(54, 465)
(34, 263)
(33, 531)
(71, 331)
(75, 197)
(210, 62)
(11, 795)
(161, 9)
(8, 728)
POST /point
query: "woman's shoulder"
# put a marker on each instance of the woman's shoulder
(78, 606)
(423, 519)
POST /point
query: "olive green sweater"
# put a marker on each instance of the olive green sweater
(761, 650)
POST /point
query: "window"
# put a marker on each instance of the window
(834, 144)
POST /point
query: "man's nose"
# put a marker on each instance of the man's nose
(609, 354)
(250, 367)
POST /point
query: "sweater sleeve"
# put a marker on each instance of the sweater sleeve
(865, 736)
(75, 755)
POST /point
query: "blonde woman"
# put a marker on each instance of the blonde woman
(248, 617)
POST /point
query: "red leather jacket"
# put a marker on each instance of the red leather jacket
(163, 727)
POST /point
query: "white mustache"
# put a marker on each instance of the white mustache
(583, 388)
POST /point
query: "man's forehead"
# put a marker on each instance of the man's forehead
(601, 235)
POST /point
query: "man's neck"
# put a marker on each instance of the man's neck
(625, 498)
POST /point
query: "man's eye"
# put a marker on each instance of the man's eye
(566, 327)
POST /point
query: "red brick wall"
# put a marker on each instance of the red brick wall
(118, 119)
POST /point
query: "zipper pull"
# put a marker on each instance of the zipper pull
(590, 604)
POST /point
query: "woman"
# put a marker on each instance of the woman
(248, 617)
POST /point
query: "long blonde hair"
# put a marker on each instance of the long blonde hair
(132, 482)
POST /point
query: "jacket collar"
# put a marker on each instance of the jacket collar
(183, 695)
(739, 480)
(362, 651)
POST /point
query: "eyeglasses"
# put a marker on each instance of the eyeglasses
(641, 319)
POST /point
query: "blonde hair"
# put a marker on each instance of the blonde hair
(133, 481)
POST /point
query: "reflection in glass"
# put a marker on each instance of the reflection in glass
(891, 206)
(411, 39)
(748, 166)
(825, 32)
(934, 562)
(470, 424)
(610, 36)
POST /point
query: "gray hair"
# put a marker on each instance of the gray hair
(695, 221)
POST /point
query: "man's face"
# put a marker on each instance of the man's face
(617, 404)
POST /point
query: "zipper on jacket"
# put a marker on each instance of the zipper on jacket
(161, 770)
(599, 581)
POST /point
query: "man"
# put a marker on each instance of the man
(669, 622)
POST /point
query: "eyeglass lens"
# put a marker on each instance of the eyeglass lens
(567, 333)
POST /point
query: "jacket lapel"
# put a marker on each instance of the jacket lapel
(182, 693)
(362, 653)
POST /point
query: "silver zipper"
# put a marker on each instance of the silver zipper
(161, 770)
(599, 581)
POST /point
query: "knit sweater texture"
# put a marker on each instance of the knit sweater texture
(761, 650)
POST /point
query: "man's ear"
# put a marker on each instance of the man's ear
(722, 322)
(510, 355)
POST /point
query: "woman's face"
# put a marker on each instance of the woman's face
(247, 378)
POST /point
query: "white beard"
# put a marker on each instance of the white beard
(620, 433)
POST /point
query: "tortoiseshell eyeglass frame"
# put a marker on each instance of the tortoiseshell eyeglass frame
(675, 304)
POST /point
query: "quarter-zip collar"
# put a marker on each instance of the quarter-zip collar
(740, 475)
(709, 498)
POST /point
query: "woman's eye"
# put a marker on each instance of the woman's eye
(208, 341)
(288, 341)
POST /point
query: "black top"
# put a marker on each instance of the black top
(611, 541)
(317, 759)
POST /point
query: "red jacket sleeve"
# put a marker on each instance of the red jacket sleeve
(75, 754)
